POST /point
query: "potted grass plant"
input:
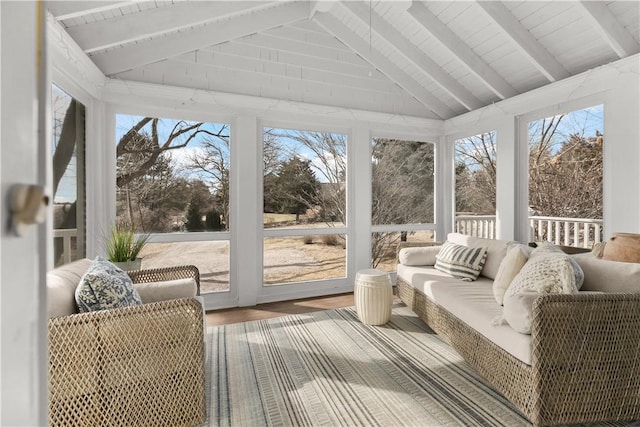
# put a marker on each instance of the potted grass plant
(123, 247)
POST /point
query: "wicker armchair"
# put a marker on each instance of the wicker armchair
(141, 365)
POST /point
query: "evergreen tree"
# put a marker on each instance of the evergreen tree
(296, 187)
(194, 217)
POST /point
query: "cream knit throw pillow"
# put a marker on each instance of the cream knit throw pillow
(551, 273)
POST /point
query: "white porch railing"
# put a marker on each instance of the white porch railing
(477, 225)
(578, 232)
(66, 234)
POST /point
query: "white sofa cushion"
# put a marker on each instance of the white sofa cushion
(416, 276)
(170, 289)
(510, 266)
(461, 262)
(471, 302)
(424, 255)
(518, 311)
(608, 276)
(61, 287)
(496, 251)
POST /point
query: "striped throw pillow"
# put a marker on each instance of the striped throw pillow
(461, 262)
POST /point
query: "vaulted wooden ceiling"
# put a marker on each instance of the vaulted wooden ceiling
(432, 59)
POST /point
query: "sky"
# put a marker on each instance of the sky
(584, 122)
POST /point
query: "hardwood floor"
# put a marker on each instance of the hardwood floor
(277, 309)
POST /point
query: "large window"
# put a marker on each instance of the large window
(565, 177)
(402, 196)
(304, 209)
(475, 169)
(172, 179)
(68, 177)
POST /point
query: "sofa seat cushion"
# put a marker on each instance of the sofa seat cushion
(61, 287)
(417, 275)
(169, 289)
(471, 302)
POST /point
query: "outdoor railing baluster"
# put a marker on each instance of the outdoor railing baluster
(585, 231)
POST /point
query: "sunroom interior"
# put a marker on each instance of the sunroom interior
(363, 73)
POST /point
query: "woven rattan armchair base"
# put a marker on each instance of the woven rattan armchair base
(585, 361)
(133, 366)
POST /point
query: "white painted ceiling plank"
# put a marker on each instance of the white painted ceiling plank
(306, 61)
(348, 37)
(248, 83)
(528, 45)
(151, 22)
(62, 10)
(311, 38)
(606, 23)
(149, 51)
(296, 46)
(416, 56)
(468, 57)
(284, 70)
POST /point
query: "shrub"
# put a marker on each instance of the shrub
(194, 218)
(213, 222)
(330, 240)
(123, 245)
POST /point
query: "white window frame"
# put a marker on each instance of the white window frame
(522, 207)
(313, 287)
(212, 300)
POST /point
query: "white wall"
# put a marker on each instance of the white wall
(23, 259)
(617, 86)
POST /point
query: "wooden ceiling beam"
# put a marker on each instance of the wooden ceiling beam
(148, 51)
(414, 55)
(379, 61)
(62, 10)
(474, 63)
(620, 40)
(99, 35)
(524, 41)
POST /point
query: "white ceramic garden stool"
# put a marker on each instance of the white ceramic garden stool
(374, 296)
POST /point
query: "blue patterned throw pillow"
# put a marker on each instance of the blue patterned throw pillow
(461, 262)
(104, 286)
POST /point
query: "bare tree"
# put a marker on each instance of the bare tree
(179, 137)
(330, 166)
(402, 190)
(213, 160)
(476, 172)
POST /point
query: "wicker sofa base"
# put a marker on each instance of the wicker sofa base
(585, 366)
(510, 376)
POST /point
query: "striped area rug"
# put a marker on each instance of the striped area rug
(328, 369)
